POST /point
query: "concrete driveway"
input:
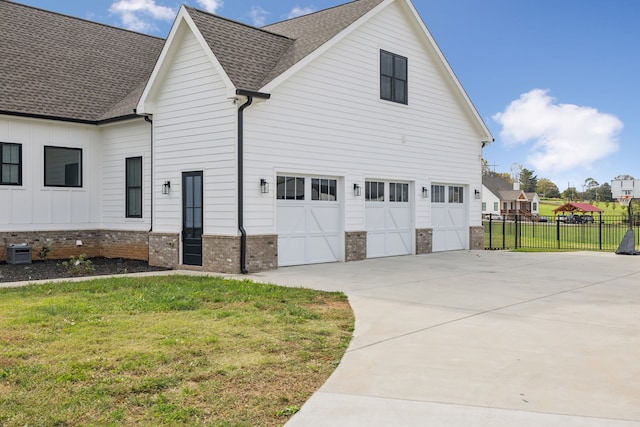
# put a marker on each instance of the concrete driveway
(482, 339)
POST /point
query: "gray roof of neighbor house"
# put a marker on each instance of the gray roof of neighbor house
(57, 66)
(503, 189)
(252, 57)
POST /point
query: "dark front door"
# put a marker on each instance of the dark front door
(192, 218)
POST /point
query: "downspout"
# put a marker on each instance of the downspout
(148, 120)
(243, 234)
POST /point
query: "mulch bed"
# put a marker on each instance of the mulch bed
(54, 269)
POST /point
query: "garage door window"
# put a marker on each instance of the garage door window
(398, 192)
(456, 194)
(437, 194)
(374, 191)
(290, 188)
(323, 189)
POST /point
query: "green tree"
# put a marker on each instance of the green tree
(604, 192)
(528, 181)
(570, 194)
(591, 189)
(546, 188)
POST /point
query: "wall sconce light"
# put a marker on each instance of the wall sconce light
(356, 190)
(166, 187)
(425, 193)
(264, 186)
(476, 193)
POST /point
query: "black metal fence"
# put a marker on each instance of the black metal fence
(600, 233)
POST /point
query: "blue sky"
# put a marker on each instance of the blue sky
(556, 81)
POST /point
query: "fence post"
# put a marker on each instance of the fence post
(490, 231)
(515, 231)
(558, 233)
(600, 233)
(504, 232)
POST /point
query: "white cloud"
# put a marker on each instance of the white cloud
(258, 16)
(299, 11)
(138, 15)
(563, 136)
(210, 6)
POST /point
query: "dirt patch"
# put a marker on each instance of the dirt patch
(55, 269)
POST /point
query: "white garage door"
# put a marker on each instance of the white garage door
(309, 220)
(388, 218)
(449, 218)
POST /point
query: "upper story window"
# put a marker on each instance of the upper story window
(10, 164)
(133, 172)
(393, 77)
(62, 167)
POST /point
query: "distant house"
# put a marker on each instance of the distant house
(499, 197)
(335, 136)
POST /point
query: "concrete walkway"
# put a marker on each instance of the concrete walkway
(482, 339)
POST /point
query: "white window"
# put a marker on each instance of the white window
(437, 194)
(456, 194)
(374, 191)
(495, 206)
(290, 188)
(398, 192)
(324, 189)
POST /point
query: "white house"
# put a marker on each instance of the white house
(336, 136)
(502, 199)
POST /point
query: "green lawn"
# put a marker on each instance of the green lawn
(168, 350)
(547, 206)
(595, 237)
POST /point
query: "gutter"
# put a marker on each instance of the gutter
(69, 119)
(250, 95)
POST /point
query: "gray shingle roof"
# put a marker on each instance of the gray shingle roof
(252, 57)
(313, 30)
(58, 66)
(246, 53)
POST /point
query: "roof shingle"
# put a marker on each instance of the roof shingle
(58, 66)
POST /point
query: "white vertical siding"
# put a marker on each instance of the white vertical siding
(121, 140)
(32, 206)
(194, 129)
(328, 119)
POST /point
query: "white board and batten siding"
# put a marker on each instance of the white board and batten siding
(119, 141)
(34, 206)
(194, 130)
(328, 120)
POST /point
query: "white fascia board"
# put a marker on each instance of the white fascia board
(183, 22)
(486, 136)
(269, 87)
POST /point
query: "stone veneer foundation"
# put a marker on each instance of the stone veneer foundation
(222, 253)
(164, 250)
(355, 245)
(424, 241)
(476, 238)
(63, 244)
